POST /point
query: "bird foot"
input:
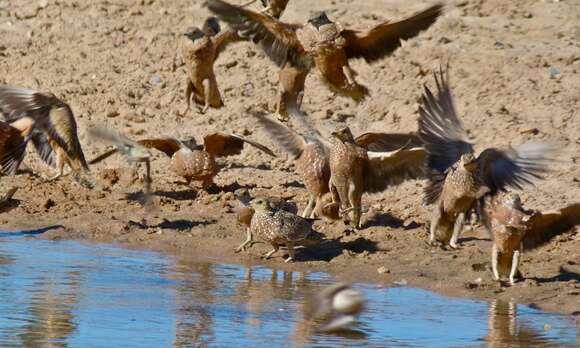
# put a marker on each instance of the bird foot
(54, 177)
(454, 246)
(289, 259)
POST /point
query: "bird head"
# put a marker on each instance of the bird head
(512, 200)
(260, 204)
(191, 144)
(343, 134)
(319, 19)
(468, 162)
(211, 26)
(193, 33)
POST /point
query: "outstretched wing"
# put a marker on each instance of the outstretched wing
(43, 148)
(277, 39)
(385, 38)
(384, 169)
(51, 114)
(514, 167)
(168, 146)
(221, 144)
(542, 227)
(440, 128)
(288, 139)
(225, 38)
(12, 148)
(387, 141)
(132, 150)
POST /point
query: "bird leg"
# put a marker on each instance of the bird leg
(271, 252)
(515, 264)
(188, 93)
(266, 9)
(206, 93)
(457, 230)
(435, 225)
(348, 73)
(291, 253)
(309, 210)
(354, 199)
(494, 261)
(59, 166)
(282, 105)
(249, 240)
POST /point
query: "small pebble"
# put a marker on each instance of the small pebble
(383, 270)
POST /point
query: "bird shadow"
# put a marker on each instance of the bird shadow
(293, 183)
(563, 275)
(34, 232)
(177, 225)
(215, 189)
(328, 249)
(388, 220)
(261, 166)
(184, 195)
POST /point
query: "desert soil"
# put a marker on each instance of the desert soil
(514, 70)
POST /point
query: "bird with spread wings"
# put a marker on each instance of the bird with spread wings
(195, 162)
(200, 48)
(311, 153)
(458, 179)
(322, 43)
(516, 229)
(55, 129)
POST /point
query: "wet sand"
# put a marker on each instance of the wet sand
(514, 72)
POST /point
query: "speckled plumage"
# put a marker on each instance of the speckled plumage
(276, 227)
(459, 181)
(355, 170)
(194, 165)
(195, 162)
(516, 229)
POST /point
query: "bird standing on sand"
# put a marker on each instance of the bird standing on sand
(312, 155)
(355, 170)
(322, 43)
(195, 162)
(200, 49)
(277, 227)
(516, 229)
(55, 129)
(458, 180)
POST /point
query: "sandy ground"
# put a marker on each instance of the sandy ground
(514, 67)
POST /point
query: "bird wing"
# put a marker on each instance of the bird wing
(387, 141)
(514, 167)
(8, 195)
(225, 38)
(386, 37)
(43, 148)
(542, 227)
(440, 128)
(384, 169)
(442, 135)
(277, 39)
(169, 146)
(51, 114)
(288, 139)
(13, 146)
(104, 156)
(124, 145)
(222, 144)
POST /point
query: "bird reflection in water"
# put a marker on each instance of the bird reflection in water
(51, 311)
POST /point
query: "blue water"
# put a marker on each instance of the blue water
(69, 294)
